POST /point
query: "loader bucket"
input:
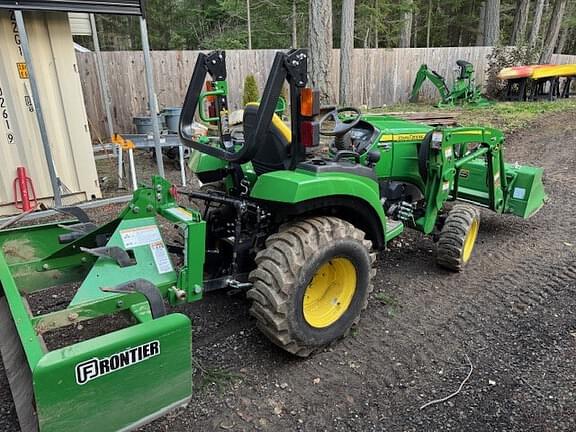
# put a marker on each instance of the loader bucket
(523, 190)
(526, 191)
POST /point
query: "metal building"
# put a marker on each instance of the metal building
(62, 104)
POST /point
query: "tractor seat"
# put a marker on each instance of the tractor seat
(463, 64)
(273, 154)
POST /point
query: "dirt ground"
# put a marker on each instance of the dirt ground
(512, 313)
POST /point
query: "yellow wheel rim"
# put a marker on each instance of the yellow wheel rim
(330, 292)
(470, 240)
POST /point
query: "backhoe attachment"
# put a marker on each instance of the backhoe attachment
(464, 90)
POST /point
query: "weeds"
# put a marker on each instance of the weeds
(511, 116)
(389, 301)
(507, 116)
(220, 378)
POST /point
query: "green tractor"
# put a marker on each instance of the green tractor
(308, 261)
(463, 92)
(297, 233)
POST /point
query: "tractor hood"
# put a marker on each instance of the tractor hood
(395, 129)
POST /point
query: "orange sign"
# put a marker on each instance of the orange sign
(22, 70)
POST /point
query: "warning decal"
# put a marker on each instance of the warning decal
(161, 258)
(141, 236)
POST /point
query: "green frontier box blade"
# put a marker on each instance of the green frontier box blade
(141, 366)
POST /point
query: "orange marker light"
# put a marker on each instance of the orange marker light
(309, 102)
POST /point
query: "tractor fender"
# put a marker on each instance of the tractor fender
(206, 167)
(352, 197)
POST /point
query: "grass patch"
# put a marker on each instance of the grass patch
(507, 116)
(511, 116)
(219, 378)
(389, 301)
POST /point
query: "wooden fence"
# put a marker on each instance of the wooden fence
(382, 77)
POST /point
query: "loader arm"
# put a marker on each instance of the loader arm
(436, 79)
(468, 164)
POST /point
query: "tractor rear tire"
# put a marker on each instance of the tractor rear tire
(458, 237)
(311, 283)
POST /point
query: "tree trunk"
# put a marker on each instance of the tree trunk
(567, 28)
(520, 22)
(492, 23)
(294, 25)
(415, 28)
(428, 23)
(346, 51)
(562, 41)
(536, 22)
(406, 30)
(553, 30)
(366, 38)
(320, 42)
(249, 23)
(481, 25)
(376, 23)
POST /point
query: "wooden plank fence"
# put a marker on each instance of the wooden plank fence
(383, 77)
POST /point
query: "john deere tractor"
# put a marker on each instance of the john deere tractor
(463, 92)
(297, 233)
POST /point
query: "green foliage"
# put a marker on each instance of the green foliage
(251, 93)
(501, 57)
(223, 24)
(284, 92)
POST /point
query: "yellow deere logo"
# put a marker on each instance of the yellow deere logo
(403, 137)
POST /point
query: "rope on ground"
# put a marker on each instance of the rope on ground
(450, 396)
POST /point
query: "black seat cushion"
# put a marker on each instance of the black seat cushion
(273, 154)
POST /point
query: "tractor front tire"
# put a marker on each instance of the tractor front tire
(458, 237)
(311, 283)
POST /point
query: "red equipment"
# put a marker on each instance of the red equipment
(22, 182)
(211, 101)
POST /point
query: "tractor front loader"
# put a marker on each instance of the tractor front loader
(297, 233)
(463, 92)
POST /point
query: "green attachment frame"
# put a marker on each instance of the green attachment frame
(128, 376)
(464, 90)
(220, 89)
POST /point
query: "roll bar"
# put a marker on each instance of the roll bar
(291, 67)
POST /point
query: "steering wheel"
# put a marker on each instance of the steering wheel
(340, 128)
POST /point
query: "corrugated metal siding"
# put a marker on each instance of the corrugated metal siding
(63, 107)
(80, 24)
